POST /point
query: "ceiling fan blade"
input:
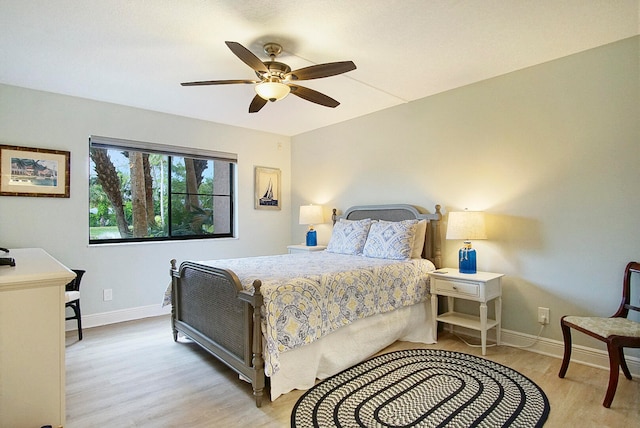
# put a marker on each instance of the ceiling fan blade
(256, 104)
(218, 82)
(321, 70)
(247, 57)
(313, 96)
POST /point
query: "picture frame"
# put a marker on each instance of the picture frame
(28, 171)
(267, 188)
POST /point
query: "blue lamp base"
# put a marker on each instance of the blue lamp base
(312, 238)
(467, 260)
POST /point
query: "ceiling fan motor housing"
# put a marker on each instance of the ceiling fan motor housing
(276, 69)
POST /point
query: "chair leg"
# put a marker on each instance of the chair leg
(614, 369)
(75, 306)
(566, 335)
(76, 309)
(623, 363)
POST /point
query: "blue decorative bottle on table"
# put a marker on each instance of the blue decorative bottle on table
(467, 258)
(312, 238)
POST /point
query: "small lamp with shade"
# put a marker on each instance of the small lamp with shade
(466, 225)
(311, 214)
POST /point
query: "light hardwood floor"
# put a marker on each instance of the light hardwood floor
(133, 375)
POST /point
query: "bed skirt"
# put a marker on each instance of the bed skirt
(341, 349)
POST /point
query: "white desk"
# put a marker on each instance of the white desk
(32, 344)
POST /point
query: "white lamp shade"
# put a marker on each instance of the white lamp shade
(311, 214)
(272, 91)
(466, 225)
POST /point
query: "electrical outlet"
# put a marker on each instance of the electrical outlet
(543, 315)
(107, 294)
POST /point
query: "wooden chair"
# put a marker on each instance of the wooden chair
(72, 299)
(617, 332)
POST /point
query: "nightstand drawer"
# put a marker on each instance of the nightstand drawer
(456, 288)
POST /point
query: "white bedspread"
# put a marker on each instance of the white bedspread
(309, 295)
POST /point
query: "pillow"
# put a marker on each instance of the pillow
(390, 239)
(418, 240)
(348, 236)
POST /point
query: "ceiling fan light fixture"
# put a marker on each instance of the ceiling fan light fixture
(276, 80)
(272, 91)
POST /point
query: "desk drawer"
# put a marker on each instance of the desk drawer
(456, 288)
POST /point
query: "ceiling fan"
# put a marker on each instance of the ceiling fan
(276, 80)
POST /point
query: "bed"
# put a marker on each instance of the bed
(293, 318)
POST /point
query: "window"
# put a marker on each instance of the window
(150, 192)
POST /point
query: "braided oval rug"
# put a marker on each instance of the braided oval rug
(423, 388)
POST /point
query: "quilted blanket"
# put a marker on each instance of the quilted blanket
(309, 295)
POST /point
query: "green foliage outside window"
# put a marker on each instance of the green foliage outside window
(141, 195)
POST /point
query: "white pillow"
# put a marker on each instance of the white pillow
(348, 237)
(390, 239)
(418, 240)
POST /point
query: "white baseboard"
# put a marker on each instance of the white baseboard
(113, 317)
(554, 348)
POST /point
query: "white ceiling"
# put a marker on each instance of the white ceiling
(135, 52)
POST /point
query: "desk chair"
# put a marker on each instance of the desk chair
(617, 332)
(72, 299)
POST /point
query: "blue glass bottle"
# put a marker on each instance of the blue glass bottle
(467, 258)
(312, 238)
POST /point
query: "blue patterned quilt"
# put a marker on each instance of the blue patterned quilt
(307, 296)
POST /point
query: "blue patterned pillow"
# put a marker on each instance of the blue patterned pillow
(348, 237)
(390, 239)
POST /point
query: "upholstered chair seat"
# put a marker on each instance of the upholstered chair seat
(605, 327)
(70, 296)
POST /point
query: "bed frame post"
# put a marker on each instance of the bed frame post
(437, 244)
(257, 361)
(174, 277)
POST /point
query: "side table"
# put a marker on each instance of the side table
(303, 248)
(480, 287)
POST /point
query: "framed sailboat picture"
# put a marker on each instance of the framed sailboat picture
(267, 188)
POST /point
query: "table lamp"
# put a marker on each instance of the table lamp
(466, 225)
(311, 214)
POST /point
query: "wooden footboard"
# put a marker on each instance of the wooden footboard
(210, 307)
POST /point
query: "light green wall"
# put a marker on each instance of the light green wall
(551, 153)
(137, 273)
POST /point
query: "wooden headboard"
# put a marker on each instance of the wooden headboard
(396, 212)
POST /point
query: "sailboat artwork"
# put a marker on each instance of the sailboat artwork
(267, 198)
(267, 188)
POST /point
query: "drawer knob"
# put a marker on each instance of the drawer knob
(455, 288)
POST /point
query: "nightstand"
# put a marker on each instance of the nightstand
(479, 287)
(304, 249)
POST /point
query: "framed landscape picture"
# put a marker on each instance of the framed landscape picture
(27, 171)
(267, 188)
